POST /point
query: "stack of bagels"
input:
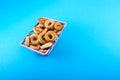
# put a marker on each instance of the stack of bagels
(44, 35)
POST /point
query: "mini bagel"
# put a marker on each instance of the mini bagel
(47, 45)
(37, 47)
(34, 39)
(49, 24)
(58, 26)
(42, 20)
(43, 51)
(50, 36)
(41, 39)
(37, 30)
(27, 41)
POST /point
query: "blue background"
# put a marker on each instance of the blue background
(88, 49)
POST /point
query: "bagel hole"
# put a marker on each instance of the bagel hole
(49, 23)
(58, 25)
(43, 38)
(50, 36)
(34, 39)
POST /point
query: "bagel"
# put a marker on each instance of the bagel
(34, 39)
(58, 26)
(50, 36)
(37, 30)
(42, 20)
(36, 47)
(49, 24)
(43, 51)
(47, 45)
(41, 39)
(27, 41)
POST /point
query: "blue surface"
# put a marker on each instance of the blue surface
(88, 49)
